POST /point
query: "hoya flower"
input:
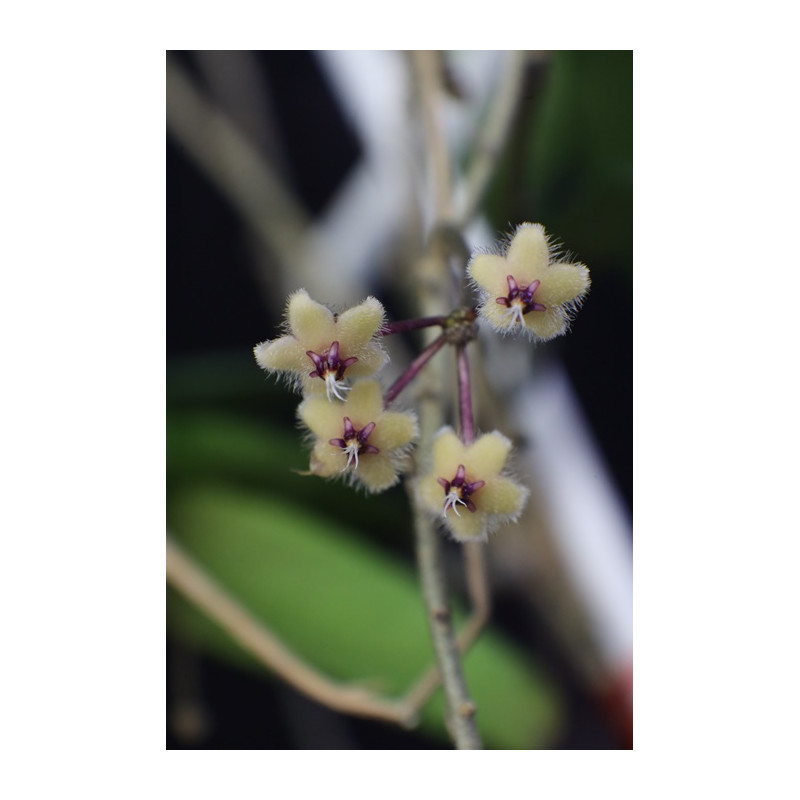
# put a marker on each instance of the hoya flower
(465, 487)
(323, 349)
(524, 291)
(358, 439)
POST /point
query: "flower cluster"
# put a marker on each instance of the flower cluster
(333, 345)
(359, 438)
(354, 437)
(332, 359)
(468, 477)
(524, 291)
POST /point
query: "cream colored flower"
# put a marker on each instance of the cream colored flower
(322, 349)
(523, 291)
(358, 439)
(465, 486)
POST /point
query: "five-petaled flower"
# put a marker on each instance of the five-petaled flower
(465, 487)
(358, 439)
(323, 349)
(523, 291)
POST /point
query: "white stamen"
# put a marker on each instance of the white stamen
(352, 455)
(333, 387)
(451, 501)
(515, 312)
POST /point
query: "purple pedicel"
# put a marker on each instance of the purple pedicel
(411, 325)
(416, 365)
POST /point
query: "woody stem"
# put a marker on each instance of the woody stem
(434, 286)
(416, 365)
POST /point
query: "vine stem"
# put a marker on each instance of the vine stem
(478, 590)
(433, 285)
(191, 580)
(461, 709)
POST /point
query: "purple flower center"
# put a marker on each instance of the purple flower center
(458, 491)
(519, 300)
(330, 368)
(354, 442)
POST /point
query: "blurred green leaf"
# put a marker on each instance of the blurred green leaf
(569, 163)
(344, 606)
(203, 445)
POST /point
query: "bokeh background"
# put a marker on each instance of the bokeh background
(292, 168)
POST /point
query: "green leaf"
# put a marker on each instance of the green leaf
(208, 445)
(569, 163)
(346, 607)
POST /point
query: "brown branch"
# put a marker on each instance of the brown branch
(478, 590)
(433, 286)
(191, 580)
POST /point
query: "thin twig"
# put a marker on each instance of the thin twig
(491, 138)
(478, 591)
(461, 709)
(235, 166)
(433, 286)
(189, 578)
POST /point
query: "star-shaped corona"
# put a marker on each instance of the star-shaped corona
(465, 487)
(358, 439)
(524, 291)
(323, 350)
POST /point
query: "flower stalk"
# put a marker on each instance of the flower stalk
(416, 365)
(465, 396)
(406, 325)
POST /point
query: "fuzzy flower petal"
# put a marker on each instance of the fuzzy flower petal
(465, 487)
(503, 496)
(529, 252)
(309, 321)
(467, 527)
(488, 453)
(523, 292)
(323, 350)
(282, 354)
(563, 283)
(357, 325)
(489, 272)
(326, 461)
(357, 439)
(372, 358)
